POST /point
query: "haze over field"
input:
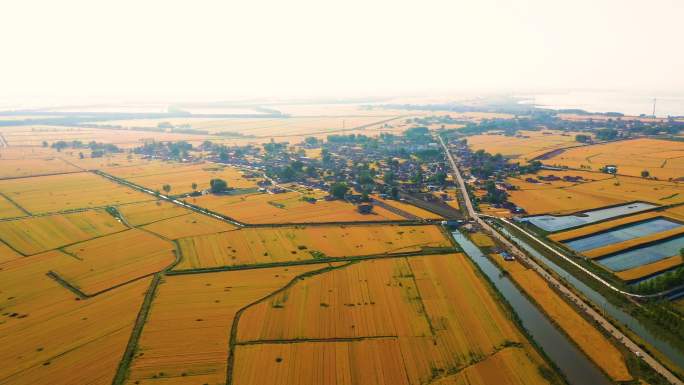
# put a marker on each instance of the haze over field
(169, 50)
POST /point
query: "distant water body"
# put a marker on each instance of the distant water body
(626, 103)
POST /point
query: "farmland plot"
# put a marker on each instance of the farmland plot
(524, 146)
(12, 168)
(109, 261)
(180, 176)
(185, 339)
(192, 224)
(7, 254)
(401, 314)
(661, 158)
(287, 208)
(46, 336)
(143, 213)
(268, 245)
(9, 209)
(64, 192)
(33, 235)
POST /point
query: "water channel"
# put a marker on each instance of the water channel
(576, 367)
(658, 342)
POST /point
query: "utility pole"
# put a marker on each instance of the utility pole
(654, 106)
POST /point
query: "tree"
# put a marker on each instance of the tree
(582, 138)
(45, 144)
(166, 188)
(645, 174)
(339, 190)
(218, 185)
(194, 186)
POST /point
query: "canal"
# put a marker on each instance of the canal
(658, 342)
(574, 365)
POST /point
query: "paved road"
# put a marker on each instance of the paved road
(570, 295)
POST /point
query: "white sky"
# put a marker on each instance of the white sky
(210, 49)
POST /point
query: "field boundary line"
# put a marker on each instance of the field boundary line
(16, 204)
(132, 345)
(56, 277)
(41, 175)
(232, 337)
(314, 261)
(305, 340)
(70, 211)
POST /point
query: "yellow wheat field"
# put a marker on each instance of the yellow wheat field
(187, 331)
(591, 195)
(112, 260)
(12, 168)
(33, 235)
(286, 208)
(401, 320)
(650, 269)
(268, 245)
(8, 209)
(524, 146)
(661, 158)
(70, 191)
(143, 213)
(47, 336)
(180, 176)
(188, 225)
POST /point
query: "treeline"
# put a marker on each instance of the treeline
(95, 147)
(661, 282)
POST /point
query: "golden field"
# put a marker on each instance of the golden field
(663, 159)
(33, 235)
(408, 208)
(8, 209)
(621, 246)
(105, 262)
(35, 135)
(180, 176)
(64, 192)
(401, 321)
(589, 339)
(258, 128)
(52, 338)
(587, 176)
(650, 269)
(675, 214)
(375, 361)
(188, 225)
(7, 254)
(603, 226)
(269, 245)
(482, 240)
(524, 146)
(286, 208)
(599, 193)
(13, 168)
(143, 213)
(187, 331)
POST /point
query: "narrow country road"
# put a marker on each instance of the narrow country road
(564, 290)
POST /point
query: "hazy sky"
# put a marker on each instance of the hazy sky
(184, 49)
